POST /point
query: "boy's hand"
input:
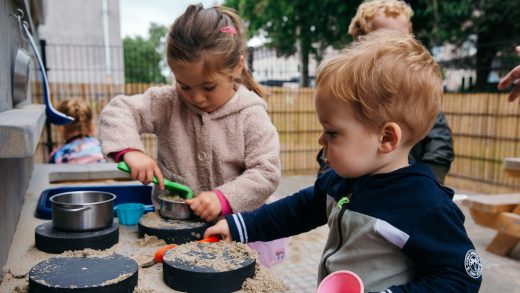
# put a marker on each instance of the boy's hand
(221, 229)
(143, 168)
(206, 205)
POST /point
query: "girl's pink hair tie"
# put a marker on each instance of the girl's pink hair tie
(229, 29)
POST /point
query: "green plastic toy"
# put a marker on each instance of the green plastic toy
(174, 187)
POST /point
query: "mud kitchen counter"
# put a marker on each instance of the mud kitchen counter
(23, 254)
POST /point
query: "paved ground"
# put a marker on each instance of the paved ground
(501, 274)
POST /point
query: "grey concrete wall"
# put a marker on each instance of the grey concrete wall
(10, 42)
(75, 35)
(14, 179)
(14, 172)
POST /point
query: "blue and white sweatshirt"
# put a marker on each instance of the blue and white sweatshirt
(399, 231)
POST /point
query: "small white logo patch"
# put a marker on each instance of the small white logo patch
(472, 264)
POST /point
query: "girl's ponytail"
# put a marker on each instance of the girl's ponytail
(249, 82)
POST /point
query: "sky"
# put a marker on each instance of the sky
(136, 15)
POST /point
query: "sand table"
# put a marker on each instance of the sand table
(150, 280)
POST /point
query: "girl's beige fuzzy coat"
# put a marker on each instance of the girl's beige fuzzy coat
(234, 149)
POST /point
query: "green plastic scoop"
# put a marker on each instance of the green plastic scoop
(174, 187)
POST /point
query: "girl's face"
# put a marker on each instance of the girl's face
(350, 147)
(207, 93)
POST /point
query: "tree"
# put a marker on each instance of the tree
(304, 26)
(308, 26)
(493, 22)
(144, 58)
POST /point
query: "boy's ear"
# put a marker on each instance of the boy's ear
(391, 137)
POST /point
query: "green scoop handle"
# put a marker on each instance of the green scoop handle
(174, 187)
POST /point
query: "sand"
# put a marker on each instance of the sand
(154, 220)
(263, 281)
(150, 280)
(171, 197)
(217, 257)
(227, 256)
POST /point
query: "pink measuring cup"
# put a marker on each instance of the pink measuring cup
(341, 281)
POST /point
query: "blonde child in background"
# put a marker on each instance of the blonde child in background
(80, 146)
(390, 222)
(373, 15)
(213, 131)
(436, 148)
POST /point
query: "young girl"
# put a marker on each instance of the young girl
(213, 131)
(80, 147)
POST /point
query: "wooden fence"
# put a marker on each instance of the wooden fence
(486, 128)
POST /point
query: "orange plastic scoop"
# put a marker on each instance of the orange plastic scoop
(159, 254)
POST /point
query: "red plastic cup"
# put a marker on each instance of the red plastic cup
(341, 282)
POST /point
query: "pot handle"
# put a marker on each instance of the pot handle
(72, 210)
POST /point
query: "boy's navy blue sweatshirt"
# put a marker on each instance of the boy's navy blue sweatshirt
(399, 231)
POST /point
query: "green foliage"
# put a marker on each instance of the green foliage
(144, 58)
(307, 25)
(310, 26)
(494, 23)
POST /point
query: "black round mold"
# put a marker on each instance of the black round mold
(189, 277)
(180, 231)
(84, 274)
(50, 240)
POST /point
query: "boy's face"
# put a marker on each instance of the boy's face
(400, 23)
(350, 147)
(207, 93)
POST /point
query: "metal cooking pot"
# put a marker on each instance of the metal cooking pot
(82, 210)
(174, 209)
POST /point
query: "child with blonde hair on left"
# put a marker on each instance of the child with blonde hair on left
(80, 146)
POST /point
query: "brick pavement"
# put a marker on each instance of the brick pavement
(299, 271)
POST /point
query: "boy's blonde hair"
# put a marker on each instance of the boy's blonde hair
(387, 76)
(214, 36)
(361, 24)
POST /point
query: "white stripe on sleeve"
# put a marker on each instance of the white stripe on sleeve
(239, 228)
(244, 226)
(391, 233)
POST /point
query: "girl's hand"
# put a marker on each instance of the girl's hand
(143, 168)
(221, 229)
(205, 205)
